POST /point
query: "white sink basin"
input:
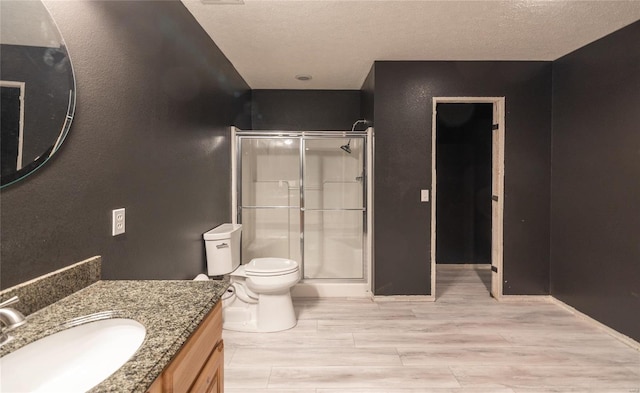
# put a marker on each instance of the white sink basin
(72, 360)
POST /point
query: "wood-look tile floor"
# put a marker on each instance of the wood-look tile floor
(465, 342)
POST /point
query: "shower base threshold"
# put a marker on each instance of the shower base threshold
(331, 289)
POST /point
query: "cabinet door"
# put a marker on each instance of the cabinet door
(184, 369)
(156, 387)
(211, 378)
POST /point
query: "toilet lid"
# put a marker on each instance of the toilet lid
(270, 266)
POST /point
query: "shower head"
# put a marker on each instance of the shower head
(363, 121)
(347, 147)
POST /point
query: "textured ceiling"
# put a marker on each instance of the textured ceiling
(269, 42)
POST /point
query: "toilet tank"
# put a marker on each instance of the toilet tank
(223, 249)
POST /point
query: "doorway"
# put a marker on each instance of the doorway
(467, 184)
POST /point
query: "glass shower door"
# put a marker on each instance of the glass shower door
(333, 207)
(270, 197)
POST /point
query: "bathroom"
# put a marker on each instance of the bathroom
(156, 98)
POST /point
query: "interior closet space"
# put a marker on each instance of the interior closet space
(464, 175)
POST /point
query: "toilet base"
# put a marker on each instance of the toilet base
(239, 319)
(272, 313)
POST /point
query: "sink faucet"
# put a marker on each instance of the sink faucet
(10, 318)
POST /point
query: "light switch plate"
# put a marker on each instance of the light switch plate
(424, 195)
(117, 222)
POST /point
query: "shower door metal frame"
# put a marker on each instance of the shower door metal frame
(238, 136)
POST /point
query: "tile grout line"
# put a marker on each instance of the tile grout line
(269, 378)
(233, 354)
(399, 357)
(453, 374)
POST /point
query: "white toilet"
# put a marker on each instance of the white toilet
(258, 299)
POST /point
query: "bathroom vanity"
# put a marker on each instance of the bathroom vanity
(182, 350)
(198, 366)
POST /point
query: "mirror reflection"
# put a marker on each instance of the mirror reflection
(37, 88)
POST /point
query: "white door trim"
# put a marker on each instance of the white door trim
(497, 165)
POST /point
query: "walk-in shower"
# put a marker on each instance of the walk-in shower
(306, 196)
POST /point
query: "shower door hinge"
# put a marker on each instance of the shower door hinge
(494, 197)
(494, 269)
(495, 127)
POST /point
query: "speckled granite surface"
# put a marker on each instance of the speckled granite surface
(169, 310)
(45, 290)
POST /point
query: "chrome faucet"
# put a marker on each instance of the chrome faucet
(10, 318)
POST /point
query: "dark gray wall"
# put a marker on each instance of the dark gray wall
(155, 99)
(367, 95)
(595, 226)
(305, 110)
(403, 106)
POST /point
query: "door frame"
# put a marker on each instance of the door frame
(21, 86)
(497, 187)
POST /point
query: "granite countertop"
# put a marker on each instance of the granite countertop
(169, 310)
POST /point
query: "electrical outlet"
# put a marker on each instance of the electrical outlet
(117, 222)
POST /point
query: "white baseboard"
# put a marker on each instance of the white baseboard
(404, 298)
(359, 291)
(550, 299)
(524, 298)
(612, 332)
(331, 290)
(463, 266)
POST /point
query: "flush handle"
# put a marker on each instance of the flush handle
(222, 245)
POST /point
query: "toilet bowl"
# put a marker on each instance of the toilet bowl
(259, 298)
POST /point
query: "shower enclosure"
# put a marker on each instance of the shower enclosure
(305, 196)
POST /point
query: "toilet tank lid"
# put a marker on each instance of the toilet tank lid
(223, 231)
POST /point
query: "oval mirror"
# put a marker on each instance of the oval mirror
(37, 86)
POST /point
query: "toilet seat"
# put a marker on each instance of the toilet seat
(265, 267)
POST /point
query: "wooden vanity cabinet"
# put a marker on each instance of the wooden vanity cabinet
(211, 379)
(198, 367)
